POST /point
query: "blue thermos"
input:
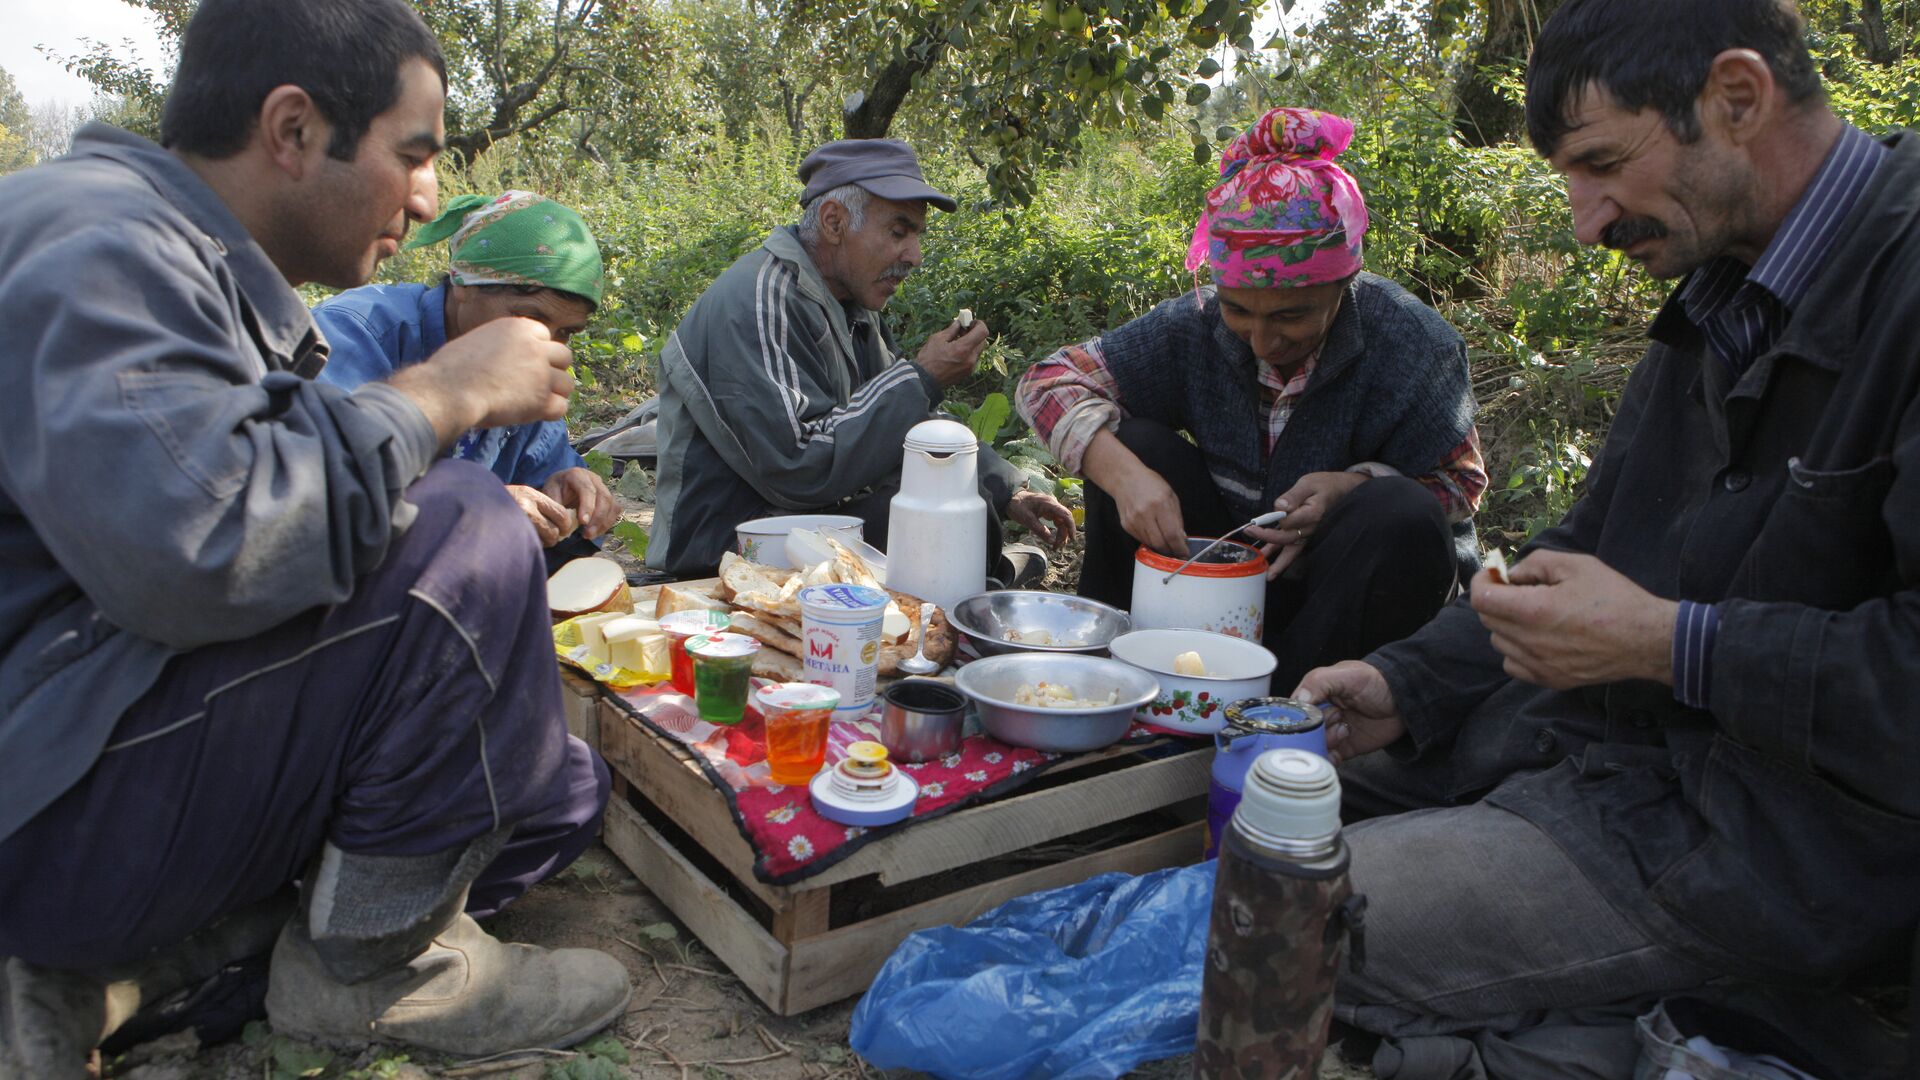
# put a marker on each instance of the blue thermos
(1255, 726)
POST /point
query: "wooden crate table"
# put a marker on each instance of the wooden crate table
(823, 939)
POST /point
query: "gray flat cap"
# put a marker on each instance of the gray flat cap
(884, 167)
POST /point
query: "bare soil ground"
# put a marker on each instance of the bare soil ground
(688, 1017)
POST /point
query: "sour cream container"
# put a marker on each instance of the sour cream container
(840, 633)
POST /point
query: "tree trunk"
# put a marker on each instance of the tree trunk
(1871, 32)
(874, 115)
(1482, 115)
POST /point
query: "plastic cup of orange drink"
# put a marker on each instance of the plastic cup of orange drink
(797, 716)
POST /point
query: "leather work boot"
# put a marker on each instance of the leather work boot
(50, 1021)
(468, 994)
(1021, 566)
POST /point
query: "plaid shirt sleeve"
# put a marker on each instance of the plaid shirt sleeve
(1067, 399)
(1460, 479)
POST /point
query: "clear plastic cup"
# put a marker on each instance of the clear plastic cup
(797, 717)
(722, 674)
(680, 628)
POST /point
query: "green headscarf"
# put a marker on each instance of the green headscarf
(518, 238)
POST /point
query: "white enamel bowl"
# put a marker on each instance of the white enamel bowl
(1236, 669)
(764, 540)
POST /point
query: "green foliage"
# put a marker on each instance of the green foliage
(1080, 137)
(603, 1057)
(286, 1059)
(633, 536)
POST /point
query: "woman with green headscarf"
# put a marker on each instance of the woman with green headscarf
(517, 254)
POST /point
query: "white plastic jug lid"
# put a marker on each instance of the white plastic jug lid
(941, 437)
(1291, 794)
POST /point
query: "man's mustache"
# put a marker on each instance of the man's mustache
(1627, 232)
(897, 272)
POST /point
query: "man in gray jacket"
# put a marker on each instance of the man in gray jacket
(250, 632)
(782, 391)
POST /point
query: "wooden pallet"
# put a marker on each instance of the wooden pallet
(802, 946)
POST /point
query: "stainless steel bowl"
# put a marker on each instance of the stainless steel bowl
(1085, 625)
(993, 682)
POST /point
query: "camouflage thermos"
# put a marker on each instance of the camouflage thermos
(1282, 907)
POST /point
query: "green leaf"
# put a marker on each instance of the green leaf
(660, 931)
(294, 1058)
(1198, 92)
(1208, 68)
(636, 539)
(587, 1067)
(607, 1046)
(633, 343)
(601, 464)
(989, 416)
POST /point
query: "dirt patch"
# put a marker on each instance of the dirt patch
(688, 1018)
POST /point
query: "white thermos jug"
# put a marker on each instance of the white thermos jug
(937, 524)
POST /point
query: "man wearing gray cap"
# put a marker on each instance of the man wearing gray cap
(782, 391)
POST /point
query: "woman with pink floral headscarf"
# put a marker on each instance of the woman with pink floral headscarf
(1294, 380)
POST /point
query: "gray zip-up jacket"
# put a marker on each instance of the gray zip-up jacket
(776, 398)
(170, 474)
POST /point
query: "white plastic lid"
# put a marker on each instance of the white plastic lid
(723, 645)
(894, 802)
(831, 599)
(1292, 795)
(796, 697)
(941, 437)
(687, 623)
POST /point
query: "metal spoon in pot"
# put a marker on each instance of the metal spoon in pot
(918, 664)
(1262, 521)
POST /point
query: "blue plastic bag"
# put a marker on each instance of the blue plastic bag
(1089, 980)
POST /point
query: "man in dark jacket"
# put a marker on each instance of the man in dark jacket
(1680, 744)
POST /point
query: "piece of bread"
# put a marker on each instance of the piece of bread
(759, 587)
(778, 666)
(940, 637)
(587, 585)
(851, 569)
(766, 632)
(674, 598)
(1496, 565)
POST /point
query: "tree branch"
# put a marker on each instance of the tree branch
(890, 87)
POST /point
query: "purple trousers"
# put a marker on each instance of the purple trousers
(419, 714)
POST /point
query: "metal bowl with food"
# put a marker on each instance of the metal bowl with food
(1016, 621)
(1089, 701)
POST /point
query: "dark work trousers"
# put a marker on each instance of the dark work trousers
(422, 712)
(1379, 565)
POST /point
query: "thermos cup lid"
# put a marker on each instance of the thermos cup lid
(1290, 795)
(941, 437)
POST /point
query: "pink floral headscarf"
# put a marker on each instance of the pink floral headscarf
(1283, 213)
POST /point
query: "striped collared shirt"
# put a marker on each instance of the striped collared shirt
(1743, 310)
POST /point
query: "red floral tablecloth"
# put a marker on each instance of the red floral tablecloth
(790, 839)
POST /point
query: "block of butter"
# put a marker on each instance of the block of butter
(591, 627)
(637, 644)
(1189, 663)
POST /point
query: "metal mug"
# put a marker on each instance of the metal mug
(921, 719)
